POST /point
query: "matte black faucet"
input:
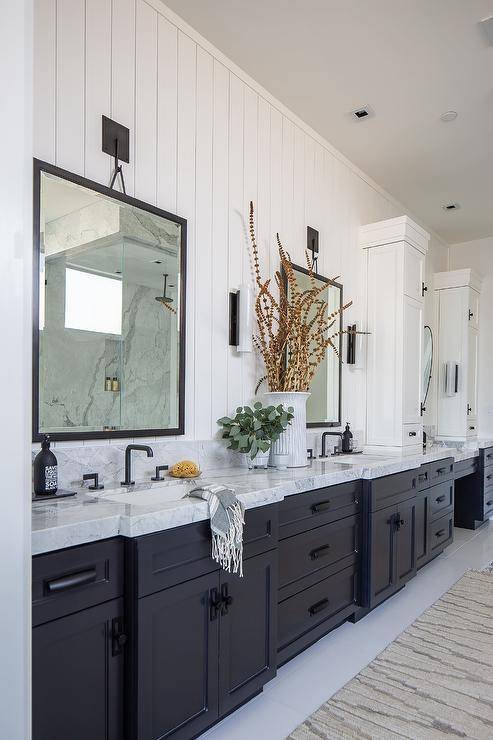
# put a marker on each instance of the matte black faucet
(324, 437)
(128, 462)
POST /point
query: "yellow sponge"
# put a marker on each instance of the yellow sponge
(184, 469)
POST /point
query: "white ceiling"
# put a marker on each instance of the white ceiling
(410, 60)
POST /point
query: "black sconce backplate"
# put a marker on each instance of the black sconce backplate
(116, 140)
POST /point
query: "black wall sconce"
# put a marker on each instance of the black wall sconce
(312, 245)
(240, 319)
(116, 143)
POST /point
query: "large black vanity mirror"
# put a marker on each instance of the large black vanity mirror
(324, 403)
(109, 312)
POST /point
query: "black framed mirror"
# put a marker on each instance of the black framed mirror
(323, 407)
(108, 312)
(427, 364)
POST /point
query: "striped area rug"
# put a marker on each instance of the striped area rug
(434, 681)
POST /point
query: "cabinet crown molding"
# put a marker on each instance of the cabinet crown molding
(392, 230)
(465, 278)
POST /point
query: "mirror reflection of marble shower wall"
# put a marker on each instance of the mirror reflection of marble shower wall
(126, 334)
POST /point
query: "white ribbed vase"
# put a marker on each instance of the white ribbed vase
(293, 440)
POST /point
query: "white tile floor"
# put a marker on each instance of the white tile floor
(302, 685)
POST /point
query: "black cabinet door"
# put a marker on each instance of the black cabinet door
(422, 527)
(247, 635)
(177, 670)
(382, 555)
(405, 537)
(77, 678)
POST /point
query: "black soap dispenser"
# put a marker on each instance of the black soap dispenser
(45, 469)
(347, 440)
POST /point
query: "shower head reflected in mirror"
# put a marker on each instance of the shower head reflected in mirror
(164, 299)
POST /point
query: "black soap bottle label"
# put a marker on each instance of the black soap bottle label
(45, 469)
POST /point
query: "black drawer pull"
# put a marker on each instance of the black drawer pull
(423, 476)
(412, 434)
(441, 471)
(489, 477)
(440, 499)
(489, 457)
(74, 579)
(318, 607)
(440, 533)
(322, 506)
(472, 429)
(320, 552)
(488, 503)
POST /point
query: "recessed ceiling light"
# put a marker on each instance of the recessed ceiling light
(364, 112)
(451, 206)
(449, 115)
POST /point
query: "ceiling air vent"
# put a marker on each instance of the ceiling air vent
(360, 113)
(451, 207)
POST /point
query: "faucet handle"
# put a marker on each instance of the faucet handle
(96, 486)
(158, 476)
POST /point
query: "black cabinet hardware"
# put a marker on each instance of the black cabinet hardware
(214, 604)
(471, 314)
(472, 429)
(441, 471)
(489, 457)
(489, 477)
(322, 506)
(440, 499)
(488, 503)
(96, 486)
(424, 289)
(440, 533)
(309, 453)
(422, 477)
(320, 552)
(226, 599)
(158, 475)
(318, 607)
(119, 638)
(469, 409)
(412, 434)
(72, 580)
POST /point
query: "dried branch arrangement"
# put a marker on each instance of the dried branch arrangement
(295, 329)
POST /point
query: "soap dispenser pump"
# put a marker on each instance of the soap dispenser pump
(45, 469)
(347, 440)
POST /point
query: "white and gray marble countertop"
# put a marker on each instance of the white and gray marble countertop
(86, 518)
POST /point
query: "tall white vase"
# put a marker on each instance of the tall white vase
(293, 440)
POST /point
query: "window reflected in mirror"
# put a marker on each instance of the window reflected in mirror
(110, 353)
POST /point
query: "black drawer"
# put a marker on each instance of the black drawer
(177, 555)
(305, 511)
(435, 472)
(488, 503)
(488, 476)
(329, 600)
(441, 497)
(464, 468)
(66, 581)
(441, 533)
(393, 489)
(486, 456)
(317, 553)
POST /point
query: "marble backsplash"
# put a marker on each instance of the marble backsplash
(108, 458)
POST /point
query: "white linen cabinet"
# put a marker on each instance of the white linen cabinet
(457, 318)
(395, 254)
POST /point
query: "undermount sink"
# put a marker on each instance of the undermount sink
(147, 496)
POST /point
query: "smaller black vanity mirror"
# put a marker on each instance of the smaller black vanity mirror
(427, 364)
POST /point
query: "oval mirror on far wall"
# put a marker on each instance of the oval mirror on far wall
(427, 364)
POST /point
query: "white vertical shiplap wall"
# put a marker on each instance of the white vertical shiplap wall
(205, 140)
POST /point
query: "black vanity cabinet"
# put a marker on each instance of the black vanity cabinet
(78, 643)
(319, 564)
(389, 558)
(434, 509)
(203, 640)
